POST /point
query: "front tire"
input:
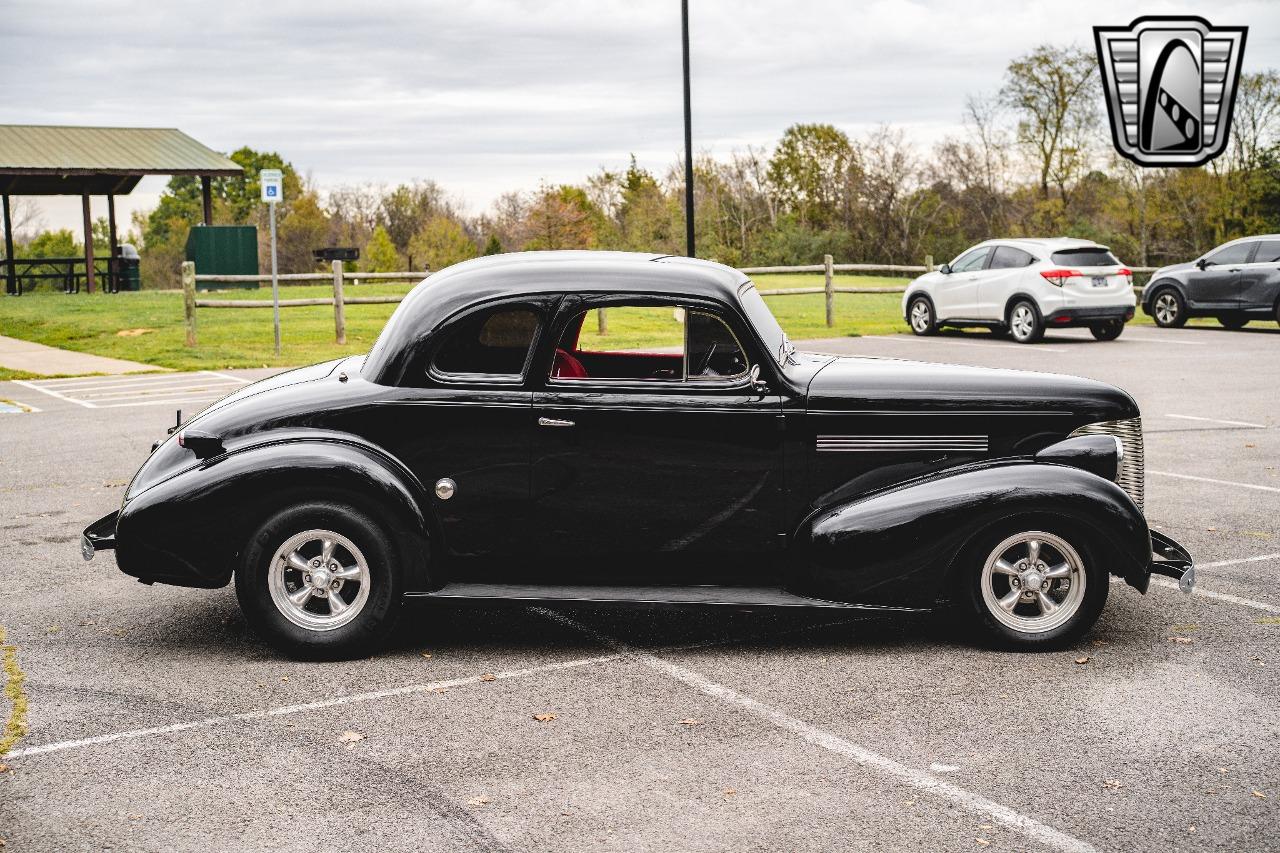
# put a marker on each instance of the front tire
(1107, 331)
(1025, 324)
(1032, 586)
(1169, 309)
(319, 581)
(921, 318)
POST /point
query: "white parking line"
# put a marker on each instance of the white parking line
(920, 779)
(904, 339)
(1217, 421)
(112, 392)
(1258, 559)
(285, 710)
(1220, 596)
(1219, 482)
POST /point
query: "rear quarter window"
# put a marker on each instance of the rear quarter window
(1086, 257)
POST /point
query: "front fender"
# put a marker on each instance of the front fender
(190, 529)
(898, 546)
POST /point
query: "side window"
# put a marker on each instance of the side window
(648, 342)
(1234, 254)
(1268, 252)
(1007, 257)
(973, 261)
(492, 343)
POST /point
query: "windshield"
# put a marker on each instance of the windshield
(766, 325)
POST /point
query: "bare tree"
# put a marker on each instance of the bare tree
(1054, 91)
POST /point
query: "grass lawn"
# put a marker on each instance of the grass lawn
(148, 326)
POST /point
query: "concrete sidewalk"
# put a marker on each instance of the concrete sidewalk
(51, 361)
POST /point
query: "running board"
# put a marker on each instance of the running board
(734, 596)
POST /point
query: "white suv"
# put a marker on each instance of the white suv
(1025, 286)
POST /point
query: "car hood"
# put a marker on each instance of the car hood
(890, 384)
(1174, 268)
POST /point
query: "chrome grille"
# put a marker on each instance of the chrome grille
(1131, 469)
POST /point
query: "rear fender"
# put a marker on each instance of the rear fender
(190, 529)
(899, 546)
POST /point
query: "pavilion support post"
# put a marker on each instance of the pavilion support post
(88, 243)
(206, 194)
(10, 277)
(113, 251)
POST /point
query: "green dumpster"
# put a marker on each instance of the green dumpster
(224, 250)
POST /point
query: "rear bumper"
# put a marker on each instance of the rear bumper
(1170, 559)
(1089, 316)
(99, 536)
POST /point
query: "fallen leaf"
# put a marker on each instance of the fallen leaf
(132, 333)
(545, 718)
(426, 654)
(1191, 828)
(1259, 795)
(350, 738)
(1082, 659)
(729, 792)
(1101, 643)
(134, 817)
(1189, 626)
(488, 676)
(1182, 641)
(983, 842)
(1222, 770)
(986, 826)
(1112, 783)
(691, 722)
(478, 801)
(1250, 445)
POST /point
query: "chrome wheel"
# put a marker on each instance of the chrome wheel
(319, 580)
(921, 317)
(1033, 582)
(1022, 322)
(1166, 308)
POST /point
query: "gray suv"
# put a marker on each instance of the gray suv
(1236, 282)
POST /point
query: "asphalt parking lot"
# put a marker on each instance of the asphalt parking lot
(157, 722)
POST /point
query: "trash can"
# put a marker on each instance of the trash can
(130, 275)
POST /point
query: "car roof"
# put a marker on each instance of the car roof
(517, 274)
(1048, 244)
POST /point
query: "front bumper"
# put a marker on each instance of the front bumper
(99, 536)
(1170, 559)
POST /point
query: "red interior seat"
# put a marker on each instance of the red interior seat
(567, 367)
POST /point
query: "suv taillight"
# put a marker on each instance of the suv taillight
(1059, 277)
(1127, 273)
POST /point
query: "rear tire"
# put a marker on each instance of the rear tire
(1032, 597)
(343, 558)
(1107, 331)
(1233, 321)
(921, 318)
(1025, 323)
(1168, 308)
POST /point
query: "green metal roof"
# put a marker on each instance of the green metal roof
(50, 160)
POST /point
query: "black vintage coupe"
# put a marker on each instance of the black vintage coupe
(489, 447)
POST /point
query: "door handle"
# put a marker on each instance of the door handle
(554, 422)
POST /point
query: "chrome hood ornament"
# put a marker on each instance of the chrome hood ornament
(1170, 85)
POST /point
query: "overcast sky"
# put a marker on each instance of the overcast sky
(487, 96)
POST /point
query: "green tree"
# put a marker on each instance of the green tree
(53, 244)
(563, 218)
(380, 253)
(812, 171)
(441, 243)
(492, 246)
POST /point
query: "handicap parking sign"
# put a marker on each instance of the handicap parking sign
(272, 181)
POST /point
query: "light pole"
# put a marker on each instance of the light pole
(688, 133)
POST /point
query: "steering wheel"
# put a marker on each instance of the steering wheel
(706, 360)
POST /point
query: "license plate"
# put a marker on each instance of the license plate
(1099, 281)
